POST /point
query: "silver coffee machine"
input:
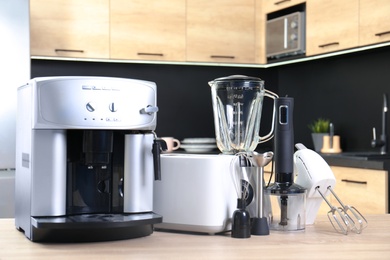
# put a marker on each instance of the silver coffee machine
(84, 161)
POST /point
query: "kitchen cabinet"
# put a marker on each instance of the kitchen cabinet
(69, 28)
(221, 31)
(270, 6)
(148, 30)
(365, 189)
(374, 22)
(260, 30)
(331, 25)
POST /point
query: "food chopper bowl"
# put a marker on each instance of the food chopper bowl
(288, 210)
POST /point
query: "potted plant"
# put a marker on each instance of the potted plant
(319, 128)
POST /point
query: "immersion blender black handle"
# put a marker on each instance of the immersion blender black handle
(158, 146)
(284, 140)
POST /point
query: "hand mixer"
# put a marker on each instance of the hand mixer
(316, 176)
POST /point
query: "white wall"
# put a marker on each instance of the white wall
(14, 71)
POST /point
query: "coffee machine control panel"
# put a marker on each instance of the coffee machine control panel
(94, 102)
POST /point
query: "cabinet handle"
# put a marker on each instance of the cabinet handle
(68, 50)
(150, 54)
(352, 181)
(328, 44)
(281, 2)
(382, 33)
(222, 57)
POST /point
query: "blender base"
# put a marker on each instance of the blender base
(260, 226)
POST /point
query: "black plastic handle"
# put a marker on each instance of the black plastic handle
(353, 181)
(284, 140)
(158, 146)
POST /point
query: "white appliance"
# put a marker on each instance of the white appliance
(15, 71)
(312, 173)
(196, 193)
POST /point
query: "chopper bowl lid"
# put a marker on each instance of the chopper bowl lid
(285, 189)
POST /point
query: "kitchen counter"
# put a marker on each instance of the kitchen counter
(318, 241)
(345, 160)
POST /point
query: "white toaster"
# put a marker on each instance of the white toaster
(196, 193)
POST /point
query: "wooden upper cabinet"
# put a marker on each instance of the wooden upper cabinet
(374, 23)
(148, 30)
(70, 28)
(221, 31)
(275, 5)
(331, 25)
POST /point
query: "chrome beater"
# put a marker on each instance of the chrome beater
(355, 216)
(344, 218)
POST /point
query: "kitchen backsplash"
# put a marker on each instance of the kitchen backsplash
(347, 89)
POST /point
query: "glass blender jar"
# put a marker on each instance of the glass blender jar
(237, 106)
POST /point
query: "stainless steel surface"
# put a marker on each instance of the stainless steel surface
(344, 218)
(67, 161)
(196, 192)
(138, 173)
(331, 134)
(336, 217)
(48, 170)
(261, 160)
(93, 103)
(352, 214)
(383, 141)
(285, 35)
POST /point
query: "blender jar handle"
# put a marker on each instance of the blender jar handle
(269, 136)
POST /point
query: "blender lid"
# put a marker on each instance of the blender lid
(238, 78)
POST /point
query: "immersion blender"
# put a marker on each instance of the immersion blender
(289, 196)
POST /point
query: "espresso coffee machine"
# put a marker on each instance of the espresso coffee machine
(84, 161)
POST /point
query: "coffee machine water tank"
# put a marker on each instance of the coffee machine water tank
(84, 161)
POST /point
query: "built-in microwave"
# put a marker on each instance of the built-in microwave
(285, 35)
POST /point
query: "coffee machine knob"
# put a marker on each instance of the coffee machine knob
(90, 107)
(112, 107)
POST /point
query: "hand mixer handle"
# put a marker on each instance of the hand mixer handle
(270, 135)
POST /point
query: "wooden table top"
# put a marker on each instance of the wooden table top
(318, 241)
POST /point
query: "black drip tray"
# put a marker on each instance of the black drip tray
(93, 227)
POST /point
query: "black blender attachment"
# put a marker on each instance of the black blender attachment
(241, 226)
(289, 196)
